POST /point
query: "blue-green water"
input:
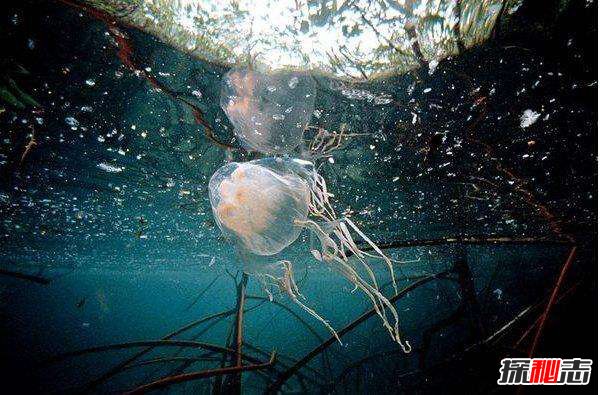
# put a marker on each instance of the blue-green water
(109, 213)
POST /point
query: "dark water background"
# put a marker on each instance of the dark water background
(134, 255)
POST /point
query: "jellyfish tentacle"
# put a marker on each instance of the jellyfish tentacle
(288, 283)
(380, 302)
(320, 207)
(320, 198)
(265, 287)
(364, 264)
(376, 298)
(381, 255)
(346, 240)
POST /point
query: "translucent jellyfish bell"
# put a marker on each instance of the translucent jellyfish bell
(269, 112)
(258, 208)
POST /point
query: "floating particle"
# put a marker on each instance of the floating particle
(528, 118)
(498, 293)
(72, 122)
(110, 168)
(433, 65)
(414, 118)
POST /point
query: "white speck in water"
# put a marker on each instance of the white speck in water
(528, 118)
(110, 168)
(72, 122)
(498, 293)
(433, 65)
(293, 82)
(90, 82)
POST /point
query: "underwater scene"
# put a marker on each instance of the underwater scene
(308, 196)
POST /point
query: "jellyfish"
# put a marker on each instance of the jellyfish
(263, 205)
(269, 112)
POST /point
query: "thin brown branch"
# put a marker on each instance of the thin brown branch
(118, 368)
(234, 383)
(147, 343)
(537, 320)
(528, 197)
(170, 380)
(155, 361)
(240, 319)
(291, 312)
(199, 296)
(552, 300)
(126, 54)
(286, 365)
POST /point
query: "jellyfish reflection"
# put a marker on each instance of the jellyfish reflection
(263, 205)
(269, 112)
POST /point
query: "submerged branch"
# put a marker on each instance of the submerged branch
(118, 368)
(27, 277)
(475, 240)
(552, 300)
(199, 296)
(170, 380)
(234, 384)
(170, 359)
(147, 343)
(240, 319)
(291, 312)
(126, 55)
